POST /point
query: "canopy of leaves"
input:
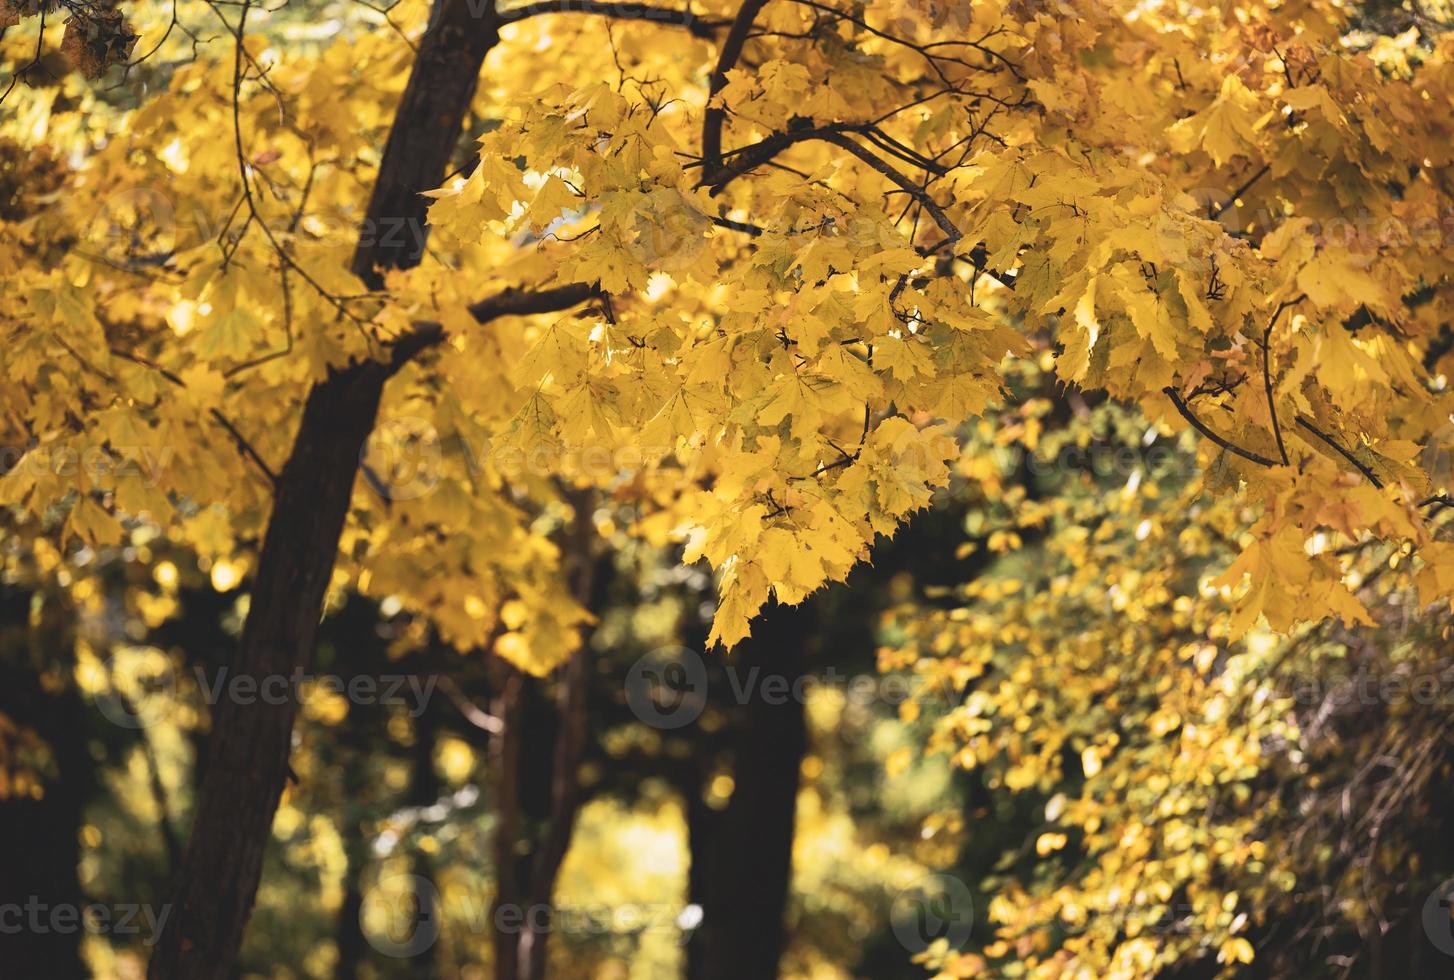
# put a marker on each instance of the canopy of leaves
(755, 284)
(801, 265)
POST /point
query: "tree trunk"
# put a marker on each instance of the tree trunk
(248, 751)
(40, 845)
(537, 761)
(570, 741)
(249, 747)
(538, 801)
(348, 938)
(352, 743)
(424, 135)
(511, 867)
(348, 935)
(424, 791)
(747, 864)
(702, 823)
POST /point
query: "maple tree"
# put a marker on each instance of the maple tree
(744, 266)
(1187, 777)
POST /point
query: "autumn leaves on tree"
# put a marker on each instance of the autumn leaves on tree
(763, 256)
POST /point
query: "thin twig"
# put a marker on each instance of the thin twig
(1201, 427)
(1267, 371)
(1246, 186)
(1362, 468)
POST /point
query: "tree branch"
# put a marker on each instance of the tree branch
(524, 302)
(748, 158)
(924, 50)
(716, 116)
(695, 26)
(514, 301)
(1246, 186)
(472, 712)
(243, 446)
(1267, 371)
(1201, 427)
(1365, 470)
(952, 233)
(422, 139)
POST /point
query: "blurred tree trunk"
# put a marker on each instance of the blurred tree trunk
(746, 858)
(537, 760)
(348, 936)
(40, 838)
(702, 821)
(352, 745)
(540, 794)
(424, 792)
(510, 707)
(248, 752)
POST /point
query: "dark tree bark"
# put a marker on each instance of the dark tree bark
(570, 742)
(348, 934)
(748, 855)
(424, 791)
(351, 645)
(538, 800)
(538, 796)
(40, 838)
(249, 747)
(425, 132)
(348, 937)
(702, 822)
(511, 868)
